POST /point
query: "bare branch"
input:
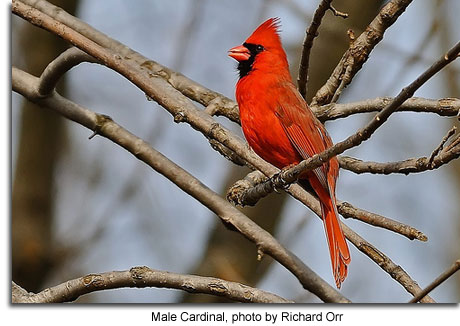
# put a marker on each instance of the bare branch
(440, 279)
(358, 52)
(440, 147)
(25, 84)
(59, 66)
(412, 165)
(141, 277)
(338, 13)
(448, 107)
(310, 34)
(348, 211)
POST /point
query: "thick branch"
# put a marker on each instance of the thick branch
(141, 277)
(25, 84)
(438, 281)
(359, 50)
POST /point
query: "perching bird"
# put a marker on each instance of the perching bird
(280, 127)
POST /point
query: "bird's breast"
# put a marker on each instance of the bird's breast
(265, 134)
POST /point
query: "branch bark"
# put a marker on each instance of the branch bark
(141, 277)
(359, 50)
(447, 107)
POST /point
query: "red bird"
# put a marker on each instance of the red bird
(281, 128)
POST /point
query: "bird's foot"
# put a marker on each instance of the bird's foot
(277, 179)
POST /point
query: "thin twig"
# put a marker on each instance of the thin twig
(359, 50)
(338, 13)
(59, 66)
(310, 34)
(438, 281)
(25, 84)
(438, 149)
(343, 83)
(142, 277)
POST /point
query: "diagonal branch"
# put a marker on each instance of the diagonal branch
(26, 85)
(142, 277)
(438, 281)
(359, 50)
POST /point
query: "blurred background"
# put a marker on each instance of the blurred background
(85, 206)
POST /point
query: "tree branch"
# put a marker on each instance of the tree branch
(447, 107)
(359, 50)
(26, 85)
(310, 34)
(59, 66)
(440, 279)
(348, 211)
(413, 165)
(141, 277)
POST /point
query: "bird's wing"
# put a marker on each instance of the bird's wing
(306, 133)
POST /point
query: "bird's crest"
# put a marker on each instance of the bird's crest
(267, 34)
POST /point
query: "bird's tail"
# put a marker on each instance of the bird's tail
(338, 248)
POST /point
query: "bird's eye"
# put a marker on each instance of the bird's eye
(259, 48)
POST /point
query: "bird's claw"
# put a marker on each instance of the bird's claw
(277, 179)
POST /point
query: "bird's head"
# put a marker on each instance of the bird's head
(262, 49)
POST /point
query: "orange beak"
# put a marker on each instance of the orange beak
(239, 53)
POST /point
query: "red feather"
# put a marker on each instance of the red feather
(281, 128)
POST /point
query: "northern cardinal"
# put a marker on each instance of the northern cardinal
(280, 127)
